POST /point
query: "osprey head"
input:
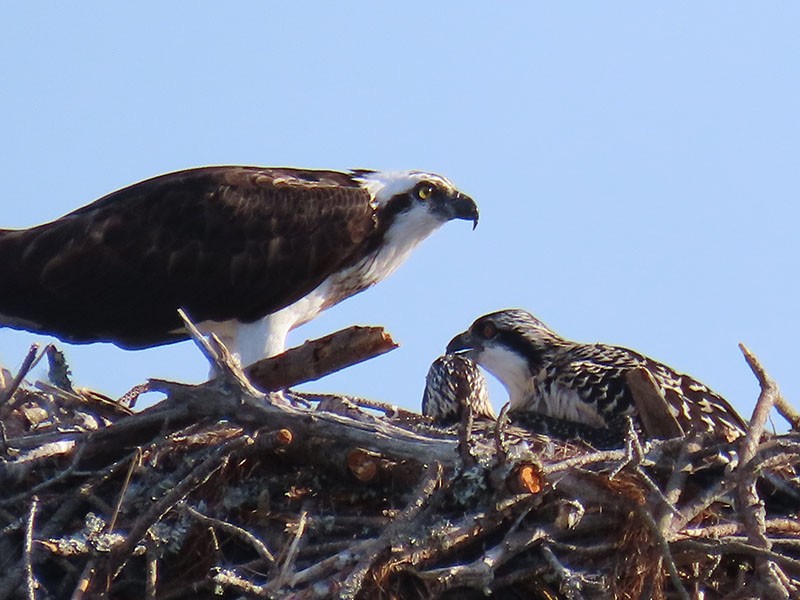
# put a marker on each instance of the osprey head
(511, 344)
(417, 195)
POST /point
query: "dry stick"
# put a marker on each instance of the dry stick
(84, 581)
(151, 582)
(774, 526)
(229, 579)
(569, 582)
(666, 553)
(336, 562)
(499, 427)
(232, 529)
(674, 489)
(195, 479)
(788, 412)
(585, 459)
(465, 439)
(766, 400)
(390, 410)
(288, 563)
(635, 457)
(45, 484)
(375, 434)
(751, 506)
(30, 584)
(728, 547)
(480, 572)
(443, 540)
(430, 482)
(216, 353)
(135, 461)
(27, 364)
(320, 357)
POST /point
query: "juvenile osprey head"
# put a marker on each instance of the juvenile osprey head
(511, 344)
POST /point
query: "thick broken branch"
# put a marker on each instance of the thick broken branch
(319, 357)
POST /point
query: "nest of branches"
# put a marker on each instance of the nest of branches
(226, 490)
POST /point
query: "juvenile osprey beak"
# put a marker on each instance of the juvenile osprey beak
(459, 206)
(461, 344)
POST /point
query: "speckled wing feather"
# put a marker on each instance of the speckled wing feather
(586, 383)
(221, 242)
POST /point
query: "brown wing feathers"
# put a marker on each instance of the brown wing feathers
(221, 242)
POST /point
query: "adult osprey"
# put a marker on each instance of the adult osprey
(585, 384)
(249, 252)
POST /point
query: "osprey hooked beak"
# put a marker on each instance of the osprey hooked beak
(463, 344)
(457, 206)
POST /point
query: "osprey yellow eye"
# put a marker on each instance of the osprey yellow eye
(424, 191)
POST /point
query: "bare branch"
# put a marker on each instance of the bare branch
(320, 357)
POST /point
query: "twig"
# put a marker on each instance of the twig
(48, 483)
(337, 562)
(135, 462)
(229, 579)
(390, 410)
(766, 400)
(666, 554)
(674, 488)
(8, 394)
(235, 531)
(30, 580)
(217, 354)
(151, 574)
(787, 410)
(709, 547)
(499, 427)
(582, 460)
(394, 532)
(199, 475)
(291, 554)
(569, 583)
(84, 582)
(465, 439)
(751, 507)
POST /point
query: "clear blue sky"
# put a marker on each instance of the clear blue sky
(636, 164)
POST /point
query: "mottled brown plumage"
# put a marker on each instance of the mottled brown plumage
(223, 243)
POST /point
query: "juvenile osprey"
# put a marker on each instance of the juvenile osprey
(452, 384)
(586, 384)
(249, 252)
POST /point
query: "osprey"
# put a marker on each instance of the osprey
(585, 384)
(452, 383)
(249, 252)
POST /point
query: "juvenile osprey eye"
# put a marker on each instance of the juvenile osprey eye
(424, 191)
(487, 330)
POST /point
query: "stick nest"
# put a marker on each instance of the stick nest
(224, 491)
